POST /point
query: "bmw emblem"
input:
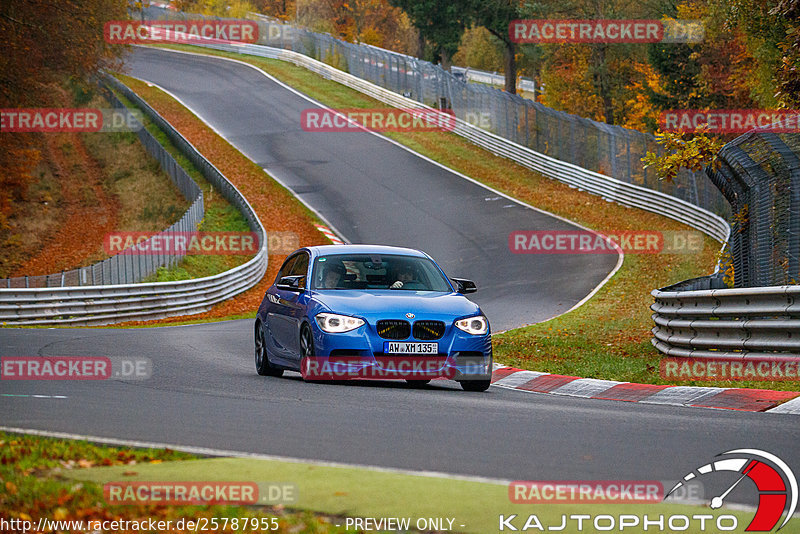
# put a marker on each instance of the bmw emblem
(410, 315)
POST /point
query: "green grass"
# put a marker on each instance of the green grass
(63, 479)
(473, 506)
(608, 337)
(220, 216)
(54, 479)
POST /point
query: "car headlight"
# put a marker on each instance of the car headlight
(476, 326)
(336, 324)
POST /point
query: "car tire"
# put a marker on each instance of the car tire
(417, 383)
(306, 350)
(475, 385)
(263, 367)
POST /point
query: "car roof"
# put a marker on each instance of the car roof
(326, 250)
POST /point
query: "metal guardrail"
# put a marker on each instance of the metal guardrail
(494, 78)
(599, 184)
(699, 319)
(105, 304)
(127, 268)
(606, 149)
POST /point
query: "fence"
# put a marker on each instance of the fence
(127, 268)
(760, 316)
(104, 304)
(595, 183)
(760, 177)
(609, 150)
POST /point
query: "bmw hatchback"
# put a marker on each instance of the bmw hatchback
(364, 311)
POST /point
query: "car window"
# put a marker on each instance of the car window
(286, 268)
(372, 271)
(300, 267)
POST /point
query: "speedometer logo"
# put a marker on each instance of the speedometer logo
(775, 482)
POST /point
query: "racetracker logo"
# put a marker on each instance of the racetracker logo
(730, 120)
(199, 493)
(181, 243)
(585, 491)
(377, 120)
(606, 31)
(588, 242)
(74, 368)
(180, 31)
(48, 120)
(688, 369)
(388, 367)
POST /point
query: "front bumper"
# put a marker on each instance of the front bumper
(360, 354)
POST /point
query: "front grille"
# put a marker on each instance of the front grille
(393, 329)
(428, 330)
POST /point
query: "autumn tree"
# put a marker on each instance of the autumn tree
(45, 42)
(496, 17)
(440, 23)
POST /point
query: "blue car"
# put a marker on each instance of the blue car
(366, 311)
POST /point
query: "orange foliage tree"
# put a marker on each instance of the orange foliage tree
(45, 43)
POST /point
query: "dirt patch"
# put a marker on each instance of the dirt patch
(89, 212)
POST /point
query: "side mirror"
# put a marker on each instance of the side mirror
(291, 283)
(465, 286)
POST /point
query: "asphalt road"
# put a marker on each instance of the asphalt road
(373, 191)
(204, 390)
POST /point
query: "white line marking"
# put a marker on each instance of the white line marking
(35, 396)
(790, 407)
(203, 451)
(517, 379)
(681, 395)
(620, 252)
(204, 121)
(585, 387)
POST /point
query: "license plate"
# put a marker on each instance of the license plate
(410, 347)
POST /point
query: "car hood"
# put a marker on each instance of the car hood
(391, 304)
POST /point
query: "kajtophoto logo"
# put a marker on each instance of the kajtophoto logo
(774, 481)
(775, 485)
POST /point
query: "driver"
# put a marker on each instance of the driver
(403, 276)
(332, 275)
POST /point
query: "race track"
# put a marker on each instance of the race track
(204, 390)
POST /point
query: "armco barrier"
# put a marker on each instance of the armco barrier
(700, 318)
(609, 188)
(126, 268)
(105, 304)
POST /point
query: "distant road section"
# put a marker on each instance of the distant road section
(373, 191)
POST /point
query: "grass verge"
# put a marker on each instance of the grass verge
(609, 336)
(278, 210)
(55, 479)
(64, 479)
(220, 216)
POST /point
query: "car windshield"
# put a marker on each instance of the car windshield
(378, 271)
